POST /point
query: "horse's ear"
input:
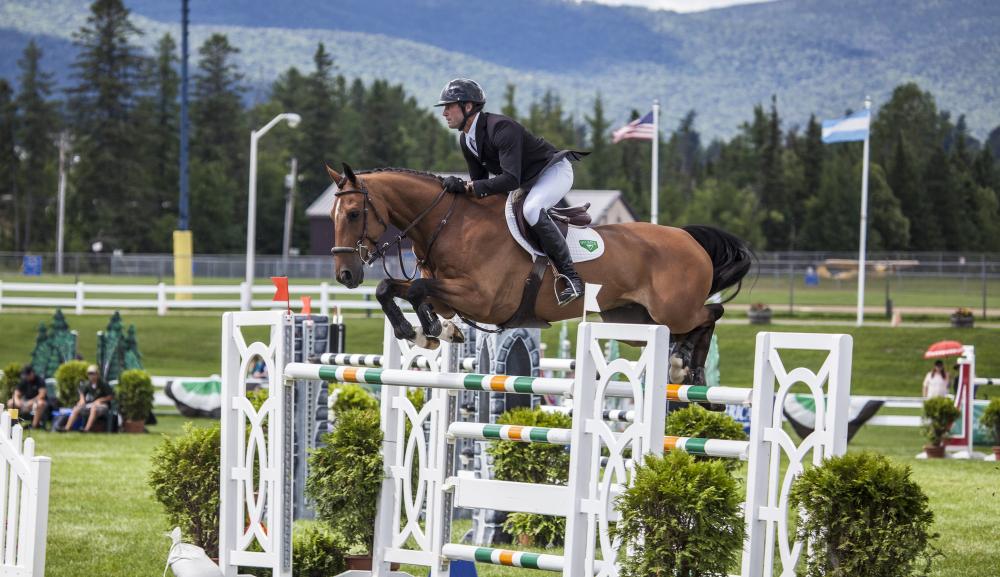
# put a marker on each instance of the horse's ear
(333, 173)
(349, 173)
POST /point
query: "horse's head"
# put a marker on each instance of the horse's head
(357, 224)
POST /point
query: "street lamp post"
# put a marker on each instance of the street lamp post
(255, 135)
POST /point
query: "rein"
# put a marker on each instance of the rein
(368, 256)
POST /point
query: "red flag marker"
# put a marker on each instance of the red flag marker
(281, 291)
(307, 305)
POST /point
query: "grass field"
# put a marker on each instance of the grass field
(104, 521)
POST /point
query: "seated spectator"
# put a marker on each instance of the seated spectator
(259, 370)
(29, 396)
(94, 401)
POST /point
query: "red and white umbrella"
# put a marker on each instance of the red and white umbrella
(943, 349)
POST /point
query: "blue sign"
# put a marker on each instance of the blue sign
(31, 265)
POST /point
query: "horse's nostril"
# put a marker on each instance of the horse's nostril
(345, 276)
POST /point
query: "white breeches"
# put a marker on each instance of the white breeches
(550, 188)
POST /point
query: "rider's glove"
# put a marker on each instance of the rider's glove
(454, 185)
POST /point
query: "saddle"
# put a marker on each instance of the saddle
(563, 217)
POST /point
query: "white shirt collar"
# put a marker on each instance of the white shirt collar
(471, 134)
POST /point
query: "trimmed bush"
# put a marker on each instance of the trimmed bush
(680, 518)
(941, 413)
(991, 419)
(319, 552)
(532, 463)
(351, 396)
(695, 421)
(8, 380)
(135, 395)
(68, 377)
(345, 477)
(864, 515)
(184, 475)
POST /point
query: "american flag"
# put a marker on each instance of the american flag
(638, 129)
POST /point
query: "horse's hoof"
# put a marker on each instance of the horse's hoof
(405, 332)
(450, 333)
(425, 341)
(434, 328)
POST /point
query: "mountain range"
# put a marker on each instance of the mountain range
(815, 56)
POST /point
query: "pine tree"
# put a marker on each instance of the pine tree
(163, 119)
(600, 159)
(831, 216)
(112, 202)
(509, 107)
(888, 228)
(319, 127)
(218, 145)
(9, 197)
(810, 157)
(912, 113)
(36, 136)
(947, 207)
(772, 186)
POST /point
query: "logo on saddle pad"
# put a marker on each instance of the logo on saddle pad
(589, 245)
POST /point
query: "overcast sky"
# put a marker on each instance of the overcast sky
(679, 5)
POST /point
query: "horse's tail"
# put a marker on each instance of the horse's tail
(731, 257)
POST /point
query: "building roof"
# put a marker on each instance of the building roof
(600, 201)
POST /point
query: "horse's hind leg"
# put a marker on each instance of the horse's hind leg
(386, 291)
(698, 341)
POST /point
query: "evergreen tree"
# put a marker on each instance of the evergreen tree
(913, 114)
(9, 198)
(831, 221)
(163, 119)
(112, 203)
(36, 133)
(905, 181)
(809, 153)
(320, 113)
(993, 143)
(509, 108)
(217, 109)
(683, 156)
(888, 228)
(946, 206)
(772, 188)
(601, 152)
(984, 169)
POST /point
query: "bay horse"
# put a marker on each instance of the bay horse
(471, 266)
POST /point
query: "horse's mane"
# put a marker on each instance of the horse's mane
(409, 171)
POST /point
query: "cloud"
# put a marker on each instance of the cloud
(678, 5)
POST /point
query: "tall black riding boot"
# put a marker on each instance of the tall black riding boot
(555, 247)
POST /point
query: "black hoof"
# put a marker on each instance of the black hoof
(433, 329)
(404, 332)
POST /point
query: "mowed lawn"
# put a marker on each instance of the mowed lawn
(104, 521)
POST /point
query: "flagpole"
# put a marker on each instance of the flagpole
(864, 223)
(654, 212)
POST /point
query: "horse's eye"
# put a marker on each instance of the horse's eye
(354, 215)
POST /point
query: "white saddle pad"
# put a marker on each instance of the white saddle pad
(584, 243)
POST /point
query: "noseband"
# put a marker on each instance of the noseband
(366, 255)
(369, 256)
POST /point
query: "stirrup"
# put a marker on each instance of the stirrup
(560, 300)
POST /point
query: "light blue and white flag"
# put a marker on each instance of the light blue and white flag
(849, 129)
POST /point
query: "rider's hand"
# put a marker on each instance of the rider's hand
(454, 185)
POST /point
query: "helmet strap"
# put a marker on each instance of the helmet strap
(466, 115)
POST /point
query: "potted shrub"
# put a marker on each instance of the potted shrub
(680, 517)
(344, 480)
(963, 318)
(68, 378)
(319, 552)
(532, 463)
(8, 380)
(940, 414)
(862, 515)
(991, 421)
(759, 314)
(135, 399)
(184, 476)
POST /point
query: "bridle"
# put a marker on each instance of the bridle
(370, 256)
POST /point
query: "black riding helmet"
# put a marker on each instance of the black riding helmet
(462, 90)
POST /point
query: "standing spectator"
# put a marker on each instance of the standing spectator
(936, 381)
(29, 396)
(95, 397)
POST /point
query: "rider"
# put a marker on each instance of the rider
(498, 145)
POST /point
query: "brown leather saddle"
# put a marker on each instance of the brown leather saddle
(524, 316)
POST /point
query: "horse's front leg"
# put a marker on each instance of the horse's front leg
(385, 293)
(418, 294)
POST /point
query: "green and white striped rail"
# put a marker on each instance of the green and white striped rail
(696, 394)
(408, 378)
(708, 447)
(487, 432)
(504, 557)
